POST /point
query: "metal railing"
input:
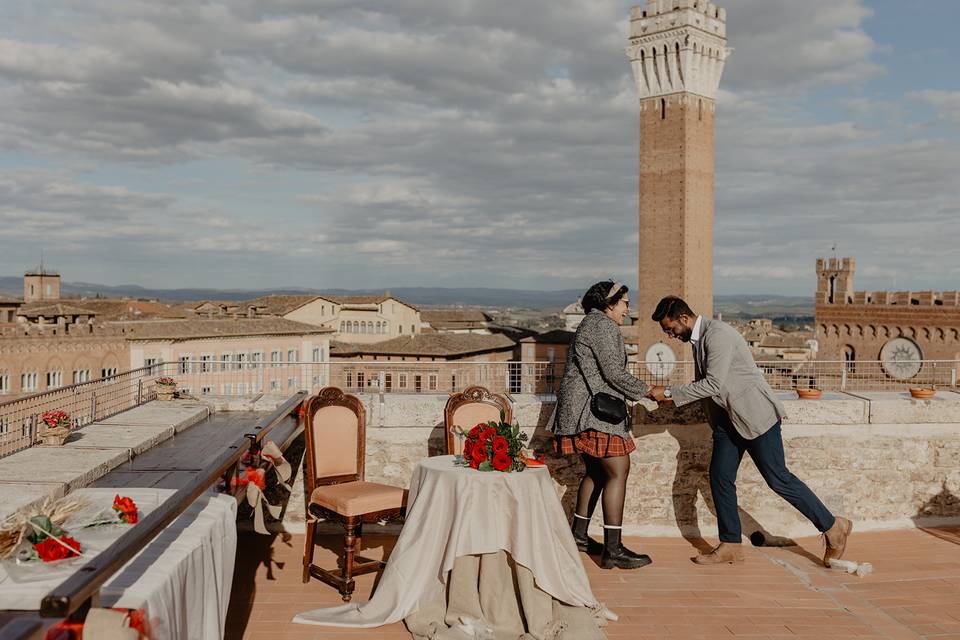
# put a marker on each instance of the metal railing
(21, 425)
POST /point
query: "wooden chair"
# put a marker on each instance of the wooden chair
(470, 406)
(334, 486)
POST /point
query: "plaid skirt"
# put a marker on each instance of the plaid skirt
(594, 443)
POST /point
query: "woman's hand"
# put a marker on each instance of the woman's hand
(656, 393)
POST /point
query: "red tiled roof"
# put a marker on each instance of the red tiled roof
(430, 344)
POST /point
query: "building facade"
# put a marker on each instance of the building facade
(897, 328)
(677, 52)
(356, 319)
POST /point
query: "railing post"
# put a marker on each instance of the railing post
(843, 380)
(93, 406)
(139, 391)
(953, 377)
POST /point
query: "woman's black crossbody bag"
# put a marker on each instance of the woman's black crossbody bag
(604, 406)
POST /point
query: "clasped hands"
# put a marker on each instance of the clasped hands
(656, 393)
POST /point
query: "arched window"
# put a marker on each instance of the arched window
(663, 108)
(679, 64)
(700, 110)
(666, 63)
(832, 289)
(341, 326)
(849, 358)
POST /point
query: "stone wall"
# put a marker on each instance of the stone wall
(894, 474)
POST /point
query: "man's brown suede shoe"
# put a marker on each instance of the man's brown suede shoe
(836, 538)
(723, 552)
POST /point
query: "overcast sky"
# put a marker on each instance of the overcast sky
(388, 143)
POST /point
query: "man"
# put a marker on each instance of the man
(745, 416)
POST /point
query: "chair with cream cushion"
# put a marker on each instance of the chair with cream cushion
(335, 488)
(471, 406)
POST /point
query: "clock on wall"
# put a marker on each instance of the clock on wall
(660, 360)
(901, 358)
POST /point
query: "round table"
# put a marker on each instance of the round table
(454, 512)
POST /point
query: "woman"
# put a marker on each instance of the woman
(596, 362)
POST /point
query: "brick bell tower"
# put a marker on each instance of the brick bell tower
(677, 51)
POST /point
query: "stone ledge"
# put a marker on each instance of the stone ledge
(899, 407)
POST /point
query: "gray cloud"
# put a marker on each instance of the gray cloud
(371, 142)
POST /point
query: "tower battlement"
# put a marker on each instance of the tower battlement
(677, 46)
(660, 7)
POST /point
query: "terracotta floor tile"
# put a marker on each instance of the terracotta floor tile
(913, 593)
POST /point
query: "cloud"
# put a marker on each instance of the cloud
(368, 143)
(946, 103)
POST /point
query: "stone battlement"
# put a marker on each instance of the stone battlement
(660, 7)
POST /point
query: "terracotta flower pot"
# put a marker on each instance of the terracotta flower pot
(809, 394)
(921, 393)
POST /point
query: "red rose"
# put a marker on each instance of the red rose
(50, 550)
(467, 449)
(473, 433)
(487, 434)
(500, 445)
(474, 464)
(126, 509)
(256, 476)
(502, 462)
(479, 453)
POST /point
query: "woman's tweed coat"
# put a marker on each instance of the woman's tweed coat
(598, 348)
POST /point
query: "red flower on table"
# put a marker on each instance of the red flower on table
(479, 453)
(500, 445)
(486, 434)
(50, 550)
(502, 462)
(126, 509)
(467, 449)
(474, 433)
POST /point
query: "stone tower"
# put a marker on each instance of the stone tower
(835, 280)
(40, 285)
(677, 51)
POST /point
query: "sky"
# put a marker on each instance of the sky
(461, 143)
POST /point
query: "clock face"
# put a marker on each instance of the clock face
(660, 360)
(901, 358)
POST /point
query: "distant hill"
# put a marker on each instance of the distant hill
(732, 306)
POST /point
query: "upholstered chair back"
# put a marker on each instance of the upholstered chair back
(334, 425)
(471, 406)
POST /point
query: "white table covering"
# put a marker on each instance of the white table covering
(182, 578)
(454, 511)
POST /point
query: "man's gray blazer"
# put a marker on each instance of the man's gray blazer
(727, 378)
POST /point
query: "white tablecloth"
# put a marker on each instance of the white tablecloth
(454, 511)
(182, 578)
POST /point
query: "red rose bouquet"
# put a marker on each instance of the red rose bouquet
(495, 446)
(126, 509)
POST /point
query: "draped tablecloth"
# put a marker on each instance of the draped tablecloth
(182, 578)
(454, 512)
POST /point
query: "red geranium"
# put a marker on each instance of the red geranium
(126, 509)
(500, 445)
(50, 550)
(502, 462)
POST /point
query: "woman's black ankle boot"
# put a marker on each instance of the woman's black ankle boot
(616, 555)
(584, 542)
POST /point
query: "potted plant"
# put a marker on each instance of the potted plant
(809, 394)
(923, 393)
(166, 388)
(57, 427)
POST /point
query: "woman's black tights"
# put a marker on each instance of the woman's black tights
(606, 477)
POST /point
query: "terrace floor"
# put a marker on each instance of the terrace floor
(913, 592)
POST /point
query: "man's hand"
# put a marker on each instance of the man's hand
(656, 393)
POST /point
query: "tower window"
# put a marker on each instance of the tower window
(700, 110)
(663, 109)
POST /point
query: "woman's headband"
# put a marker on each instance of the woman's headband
(613, 290)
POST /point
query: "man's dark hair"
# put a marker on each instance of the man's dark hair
(596, 296)
(672, 307)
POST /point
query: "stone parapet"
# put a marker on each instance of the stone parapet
(898, 473)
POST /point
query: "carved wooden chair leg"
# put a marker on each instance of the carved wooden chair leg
(308, 551)
(349, 549)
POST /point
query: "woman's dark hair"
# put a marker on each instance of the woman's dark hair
(671, 307)
(596, 296)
